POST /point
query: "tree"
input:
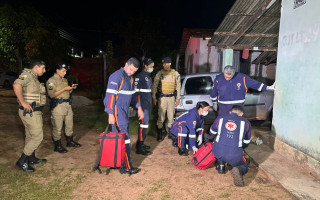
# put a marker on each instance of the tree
(143, 35)
(26, 35)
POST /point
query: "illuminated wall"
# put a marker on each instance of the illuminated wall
(297, 97)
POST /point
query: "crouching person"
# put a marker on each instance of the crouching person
(31, 97)
(188, 125)
(60, 105)
(232, 135)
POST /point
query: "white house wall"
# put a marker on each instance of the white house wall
(296, 104)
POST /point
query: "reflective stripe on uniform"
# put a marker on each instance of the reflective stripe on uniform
(112, 91)
(199, 129)
(127, 141)
(144, 125)
(213, 132)
(127, 92)
(182, 134)
(231, 102)
(246, 141)
(143, 90)
(219, 129)
(261, 86)
(192, 136)
(213, 99)
(242, 124)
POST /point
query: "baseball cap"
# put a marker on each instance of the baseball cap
(166, 60)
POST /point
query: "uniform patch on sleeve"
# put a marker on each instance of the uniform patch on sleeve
(114, 83)
(194, 124)
(23, 76)
(147, 79)
(50, 86)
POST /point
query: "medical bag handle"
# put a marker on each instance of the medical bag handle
(96, 166)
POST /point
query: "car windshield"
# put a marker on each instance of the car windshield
(199, 85)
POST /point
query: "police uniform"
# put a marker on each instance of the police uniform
(233, 92)
(118, 97)
(61, 112)
(32, 91)
(166, 83)
(232, 135)
(143, 86)
(186, 127)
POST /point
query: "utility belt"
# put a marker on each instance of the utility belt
(34, 109)
(166, 95)
(54, 102)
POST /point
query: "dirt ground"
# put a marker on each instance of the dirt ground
(164, 174)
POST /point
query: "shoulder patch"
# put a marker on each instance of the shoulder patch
(147, 79)
(23, 76)
(50, 86)
(194, 124)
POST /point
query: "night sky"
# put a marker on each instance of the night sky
(90, 21)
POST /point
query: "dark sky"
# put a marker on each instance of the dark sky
(90, 20)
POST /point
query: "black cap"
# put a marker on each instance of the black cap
(61, 65)
(166, 60)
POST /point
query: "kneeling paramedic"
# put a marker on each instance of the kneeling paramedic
(60, 105)
(187, 125)
(117, 101)
(232, 135)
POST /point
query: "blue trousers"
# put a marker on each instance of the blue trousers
(224, 109)
(144, 124)
(232, 155)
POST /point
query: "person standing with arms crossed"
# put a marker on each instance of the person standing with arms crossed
(60, 105)
(167, 85)
(143, 85)
(117, 101)
(30, 92)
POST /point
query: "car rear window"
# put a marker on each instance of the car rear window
(199, 85)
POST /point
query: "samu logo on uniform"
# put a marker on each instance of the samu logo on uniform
(238, 85)
(231, 126)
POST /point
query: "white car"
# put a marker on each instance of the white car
(7, 78)
(197, 87)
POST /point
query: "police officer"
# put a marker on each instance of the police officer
(60, 104)
(189, 125)
(166, 84)
(143, 85)
(230, 88)
(232, 135)
(118, 97)
(29, 90)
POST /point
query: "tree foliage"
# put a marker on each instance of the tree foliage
(26, 35)
(143, 35)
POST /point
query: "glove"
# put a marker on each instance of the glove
(195, 149)
(272, 87)
(199, 140)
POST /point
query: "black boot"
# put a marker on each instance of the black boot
(145, 146)
(141, 150)
(182, 152)
(159, 135)
(129, 171)
(58, 147)
(237, 175)
(23, 164)
(221, 168)
(174, 141)
(170, 135)
(71, 143)
(34, 160)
